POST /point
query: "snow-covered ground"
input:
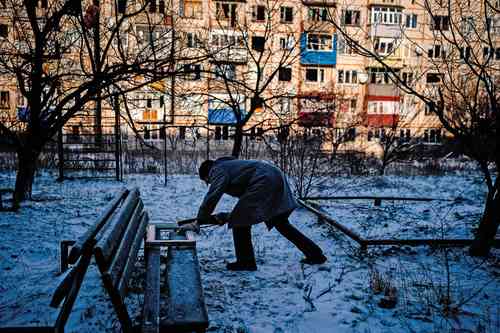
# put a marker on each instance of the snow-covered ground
(283, 295)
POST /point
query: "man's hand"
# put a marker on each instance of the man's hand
(221, 218)
(194, 226)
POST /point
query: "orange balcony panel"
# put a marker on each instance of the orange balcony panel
(382, 120)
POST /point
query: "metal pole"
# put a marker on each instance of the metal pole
(117, 137)
(97, 56)
(60, 153)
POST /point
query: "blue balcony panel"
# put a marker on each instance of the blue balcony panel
(322, 58)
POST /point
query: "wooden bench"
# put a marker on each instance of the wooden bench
(71, 281)
(114, 240)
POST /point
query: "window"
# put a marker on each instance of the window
(318, 14)
(351, 17)
(192, 40)
(225, 133)
(380, 76)
(287, 43)
(405, 135)
(147, 134)
(152, 6)
(258, 43)
(347, 76)
(432, 135)
(226, 12)
(465, 53)
(490, 53)
(319, 42)
(440, 22)
(315, 74)
(192, 9)
(259, 13)
(192, 72)
(343, 47)
(411, 21)
(225, 71)
(285, 105)
(353, 105)
(436, 51)
(285, 74)
(161, 6)
(4, 30)
(223, 40)
(256, 104)
(286, 14)
(386, 15)
(433, 77)
(4, 99)
(468, 25)
(182, 133)
(43, 3)
(384, 46)
(407, 78)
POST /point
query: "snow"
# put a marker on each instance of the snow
(283, 295)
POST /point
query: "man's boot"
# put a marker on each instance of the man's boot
(243, 248)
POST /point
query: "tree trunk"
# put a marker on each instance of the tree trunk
(238, 140)
(489, 223)
(26, 167)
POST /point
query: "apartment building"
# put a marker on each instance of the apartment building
(302, 53)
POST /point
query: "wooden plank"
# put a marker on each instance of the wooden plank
(186, 309)
(81, 269)
(118, 262)
(163, 225)
(63, 288)
(27, 329)
(151, 309)
(368, 197)
(110, 239)
(169, 242)
(130, 264)
(334, 223)
(417, 242)
(117, 301)
(83, 241)
(151, 233)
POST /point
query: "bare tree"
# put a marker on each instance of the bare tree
(456, 79)
(63, 59)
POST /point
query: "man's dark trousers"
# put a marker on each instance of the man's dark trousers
(243, 247)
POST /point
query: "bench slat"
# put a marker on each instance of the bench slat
(85, 239)
(67, 306)
(119, 260)
(186, 309)
(111, 236)
(129, 265)
(151, 309)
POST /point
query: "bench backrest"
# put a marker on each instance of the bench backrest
(80, 256)
(116, 251)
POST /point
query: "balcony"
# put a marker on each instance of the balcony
(230, 55)
(394, 3)
(388, 91)
(385, 30)
(382, 120)
(320, 3)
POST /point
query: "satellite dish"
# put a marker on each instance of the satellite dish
(362, 78)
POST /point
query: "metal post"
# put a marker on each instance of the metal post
(116, 103)
(60, 153)
(97, 58)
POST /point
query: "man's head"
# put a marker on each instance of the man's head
(204, 170)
